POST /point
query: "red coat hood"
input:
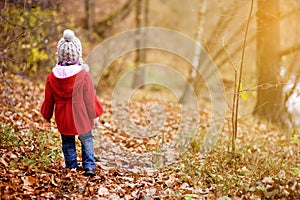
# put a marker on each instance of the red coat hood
(66, 87)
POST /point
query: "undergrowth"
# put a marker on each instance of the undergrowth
(28, 149)
(266, 165)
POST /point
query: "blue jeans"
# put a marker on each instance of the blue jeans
(87, 147)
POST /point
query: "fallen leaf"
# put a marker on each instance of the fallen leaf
(53, 180)
(267, 180)
(29, 180)
(103, 191)
(3, 162)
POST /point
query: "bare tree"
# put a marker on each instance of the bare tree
(197, 52)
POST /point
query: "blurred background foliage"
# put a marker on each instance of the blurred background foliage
(29, 32)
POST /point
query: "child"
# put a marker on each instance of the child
(70, 90)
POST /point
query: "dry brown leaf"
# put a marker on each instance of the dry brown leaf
(3, 162)
(29, 180)
(103, 191)
(53, 181)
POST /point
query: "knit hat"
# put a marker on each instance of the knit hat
(69, 48)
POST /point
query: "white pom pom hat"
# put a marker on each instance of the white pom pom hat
(69, 48)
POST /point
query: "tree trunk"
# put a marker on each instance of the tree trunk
(269, 94)
(89, 11)
(140, 58)
(197, 52)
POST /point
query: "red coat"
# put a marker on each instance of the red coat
(76, 104)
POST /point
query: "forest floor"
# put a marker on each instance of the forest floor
(266, 164)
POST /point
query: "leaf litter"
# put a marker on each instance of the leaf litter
(137, 165)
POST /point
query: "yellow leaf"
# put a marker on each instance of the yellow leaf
(243, 94)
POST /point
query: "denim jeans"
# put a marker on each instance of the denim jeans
(87, 147)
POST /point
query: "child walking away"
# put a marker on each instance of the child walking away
(69, 89)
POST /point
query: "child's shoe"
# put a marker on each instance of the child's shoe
(89, 172)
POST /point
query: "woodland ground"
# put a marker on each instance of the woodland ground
(265, 166)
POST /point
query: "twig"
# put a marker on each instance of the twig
(235, 73)
(234, 111)
(9, 87)
(238, 90)
(4, 79)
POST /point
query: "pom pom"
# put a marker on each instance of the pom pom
(68, 35)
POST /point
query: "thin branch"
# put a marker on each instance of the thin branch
(290, 50)
(236, 108)
(4, 79)
(8, 86)
(235, 73)
(229, 41)
(289, 13)
(222, 24)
